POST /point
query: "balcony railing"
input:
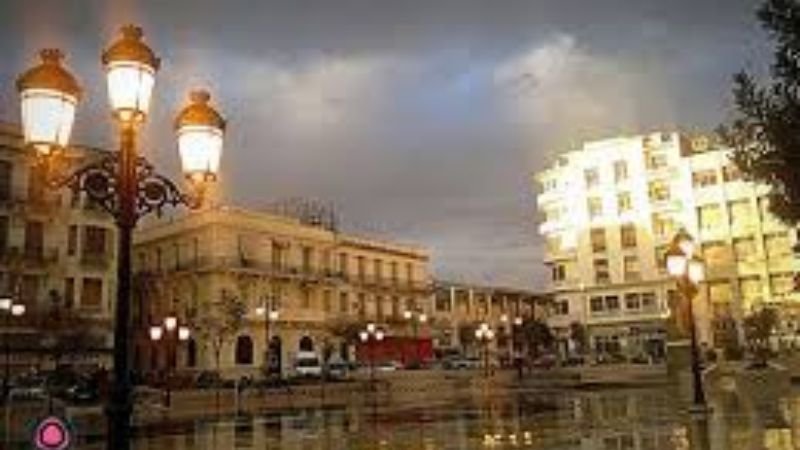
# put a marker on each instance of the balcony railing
(96, 260)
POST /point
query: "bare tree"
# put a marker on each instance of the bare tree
(221, 321)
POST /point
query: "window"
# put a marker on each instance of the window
(751, 289)
(655, 161)
(69, 292)
(393, 269)
(777, 246)
(612, 302)
(628, 236)
(741, 213)
(5, 181)
(595, 205)
(379, 307)
(92, 293)
(553, 244)
(343, 263)
(649, 302)
(277, 255)
(305, 298)
(633, 301)
(244, 351)
(549, 185)
(325, 261)
(362, 267)
(781, 284)
(592, 177)
(72, 240)
(598, 239)
(94, 243)
(658, 191)
(395, 307)
(663, 226)
(410, 273)
(624, 202)
(362, 304)
(34, 240)
(308, 255)
(720, 292)
(596, 304)
(326, 300)
(731, 173)
(378, 269)
(710, 217)
(704, 178)
(559, 272)
(744, 249)
(601, 271)
(631, 268)
(344, 302)
(562, 308)
(717, 254)
(620, 171)
(552, 214)
(3, 235)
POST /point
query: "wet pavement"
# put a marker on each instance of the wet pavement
(602, 419)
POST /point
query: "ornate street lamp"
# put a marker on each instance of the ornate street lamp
(688, 271)
(484, 334)
(172, 333)
(271, 315)
(9, 310)
(417, 319)
(124, 184)
(370, 336)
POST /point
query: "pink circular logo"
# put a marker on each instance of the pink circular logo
(52, 434)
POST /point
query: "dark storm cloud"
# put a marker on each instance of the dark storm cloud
(422, 119)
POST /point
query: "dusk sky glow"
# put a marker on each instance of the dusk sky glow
(422, 120)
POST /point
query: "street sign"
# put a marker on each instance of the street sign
(52, 433)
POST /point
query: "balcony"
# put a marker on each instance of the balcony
(39, 257)
(97, 261)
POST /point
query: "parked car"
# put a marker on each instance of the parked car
(338, 369)
(388, 366)
(307, 365)
(462, 363)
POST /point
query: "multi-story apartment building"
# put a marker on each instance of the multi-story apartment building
(319, 280)
(56, 250)
(611, 208)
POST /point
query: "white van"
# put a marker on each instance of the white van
(307, 364)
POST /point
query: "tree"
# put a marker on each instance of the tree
(763, 131)
(758, 328)
(538, 336)
(219, 323)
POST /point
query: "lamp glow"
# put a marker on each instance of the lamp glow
(363, 335)
(273, 315)
(170, 323)
(130, 74)
(18, 310)
(156, 332)
(696, 271)
(49, 96)
(379, 335)
(370, 327)
(184, 333)
(5, 303)
(200, 130)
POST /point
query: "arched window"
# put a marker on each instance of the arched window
(191, 353)
(306, 344)
(244, 351)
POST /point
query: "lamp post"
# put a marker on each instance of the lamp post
(370, 336)
(514, 328)
(484, 334)
(124, 184)
(8, 309)
(417, 318)
(688, 270)
(172, 333)
(271, 315)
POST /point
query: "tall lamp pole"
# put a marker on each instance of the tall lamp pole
(484, 334)
(172, 333)
(271, 315)
(124, 184)
(370, 336)
(512, 332)
(9, 309)
(689, 271)
(417, 319)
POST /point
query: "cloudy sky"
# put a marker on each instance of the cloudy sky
(420, 119)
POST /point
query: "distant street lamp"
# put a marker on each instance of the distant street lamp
(514, 329)
(484, 334)
(370, 336)
(688, 271)
(124, 184)
(270, 314)
(172, 333)
(417, 318)
(9, 310)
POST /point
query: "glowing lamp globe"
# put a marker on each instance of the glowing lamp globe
(156, 332)
(184, 333)
(676, 261)
(49, 96)
(685, 241)
(273, 315)
(5, 303)
(696, 270)
(170, 323)
(363, 336)
(423, 318)
(379, 335)
(18, 310)
(130, 74)
(407, 315)
(200, 131)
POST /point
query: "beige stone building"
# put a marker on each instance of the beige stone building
(319, 281)
(611, 207)
(57, 250)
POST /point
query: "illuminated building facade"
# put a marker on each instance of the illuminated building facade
(610, 209)
(320, 281)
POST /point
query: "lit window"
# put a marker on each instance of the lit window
(731, 173)
(744, 248)
(598, 239)
(741, 213)
(751, 289)
(717, 254)
(631, 268)
(663, 226)
(656, 161)
(601, 273)
(658, 191)
(624, 202)
(620, 171)
(777, 246)
(710, 217)
(704, 178)
(628, 236)
(595, 205)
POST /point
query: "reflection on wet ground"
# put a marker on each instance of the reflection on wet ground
(639, 419)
